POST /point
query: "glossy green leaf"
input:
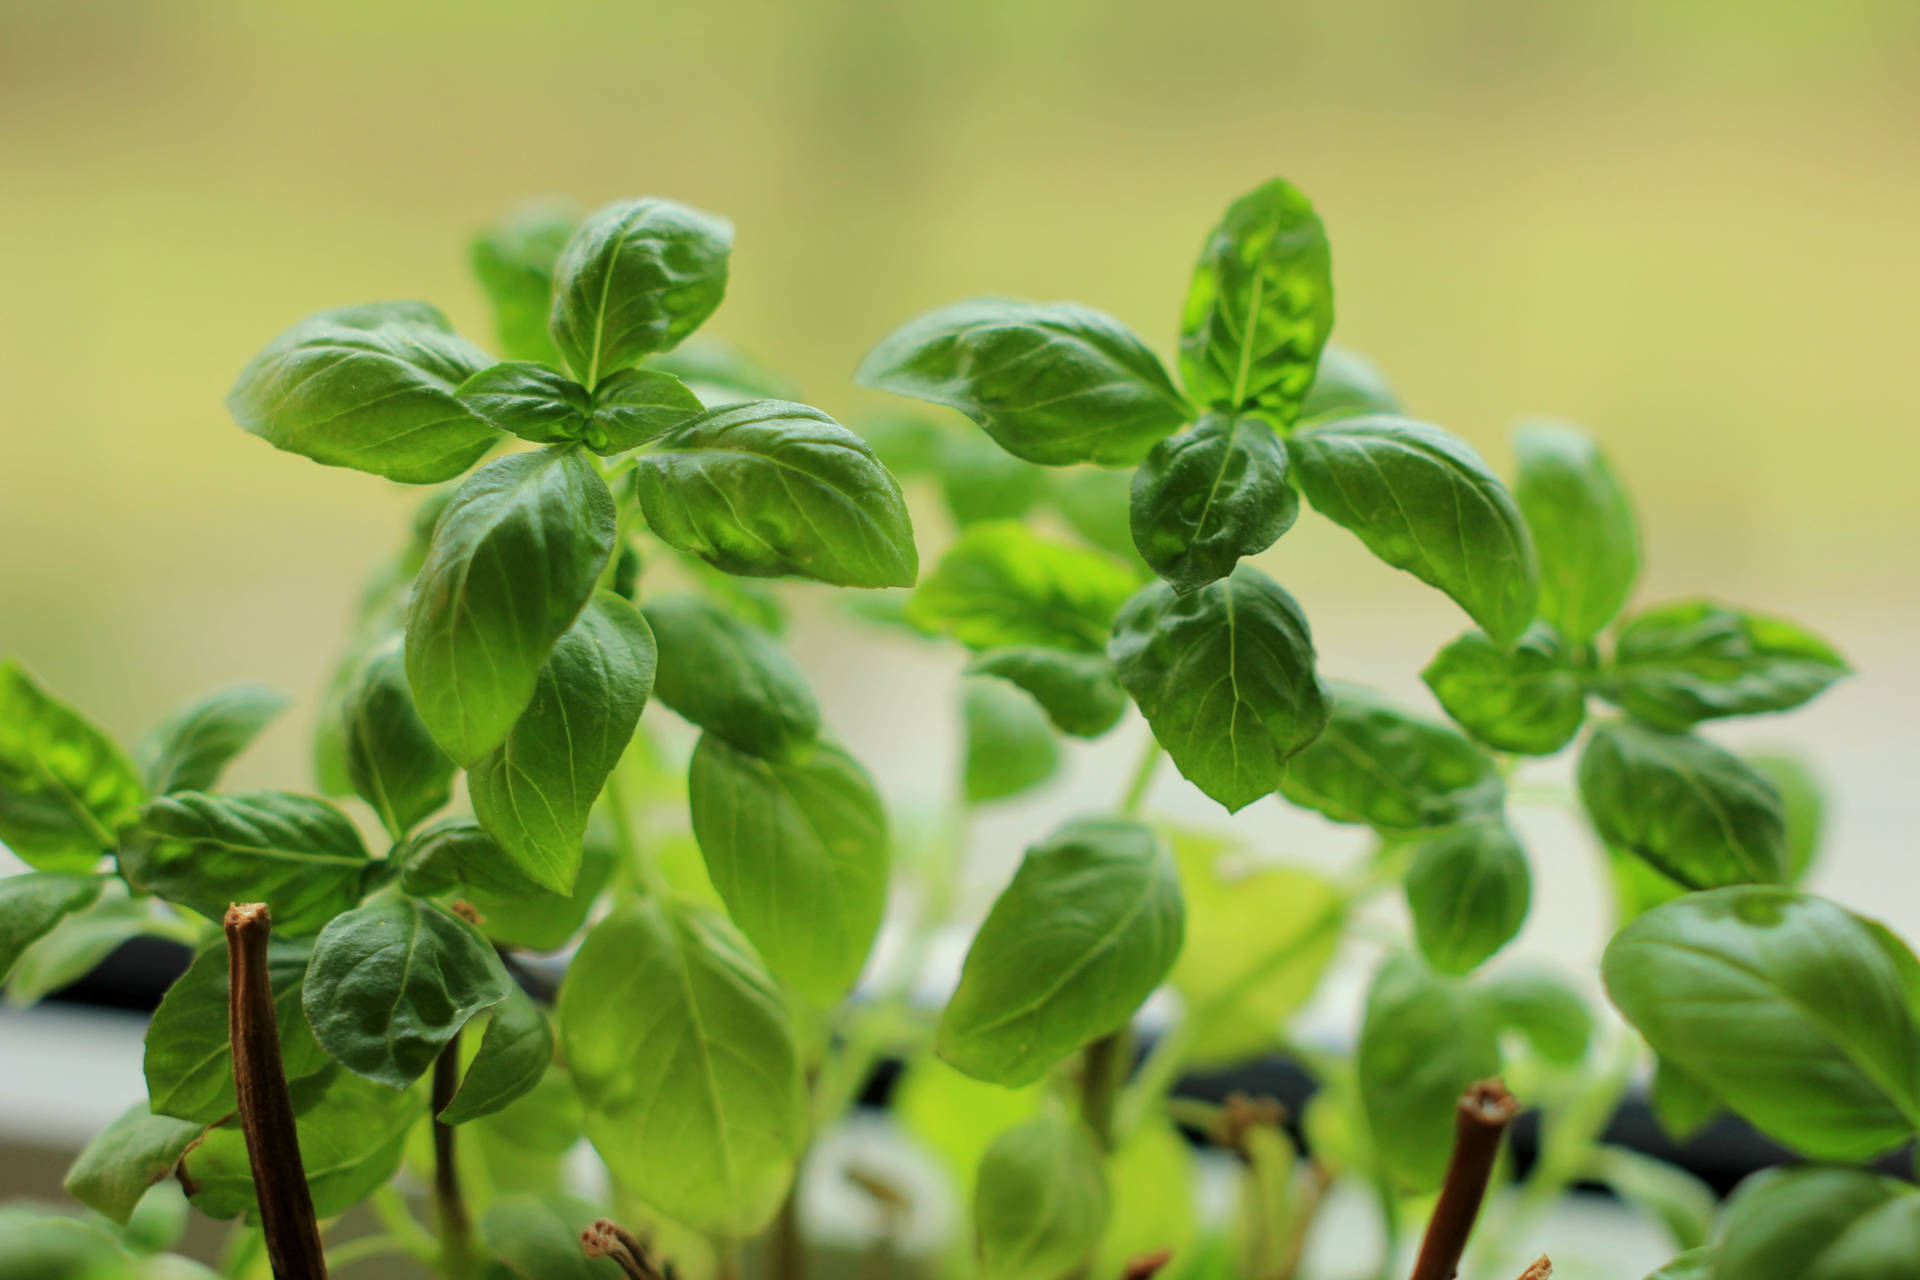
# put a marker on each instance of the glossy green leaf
(772, 488)
(1541, 1008)
(798, 852)
(1379, 765)
(190, 749)
(1002, 584)
(515, 1052)
(530, 400)
(514, 260)
(731, 678)
(369, 387)
(299, 855)
(1423, 1039)
(1821, 1224)
(1468, 890)
(1783, 1005)
(1225, 677)
(1095, 501)
(126, 1159)
(683, 1052)
(1678, 664)
(1040, 1204)
(1210, 495)
(1090, 925)
(1681, 1103)
(1423, 501)
(1693, 811)
(457, 857)
(1260, 306)
(1582, 525)
(1079, 692)
(31, 905)
(634, 406)
(534, 791)
(1347, 385)
(1527, 699)
(539, 1239)
(392, 981)
(77, 945)
(1053, 383)
(1009, 745)
(391, 758)
(1802, 802)
(66, 789)
(514, 559)
(1677, 1199)
(637, 277)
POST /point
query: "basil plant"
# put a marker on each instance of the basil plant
(517, 919)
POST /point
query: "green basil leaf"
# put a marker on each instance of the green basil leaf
(35, 1245)
(1679, 664)
(529, 400)
(1821, 1224)
(1468, 890)
(1225, 677)
(514, 559)
(1040, 1203)
(1802, 802)
(636, 278)
(1582, 525)
(1208, 496)
(1424, 1038)
(1053, 383)
(1260, 306)
(1694, 1264)
(190, 749)
(391, 982)
(731, 678)
(1095, 502)
(299, 855)
(956, 1118)
(1527, 699)
(459, 856)
(75, 947)
(391, 758)
(1002, 584)
(370, 387)
(535, 790)
(770, 488)
(683, 1051)
(1393, 771)
(981, 481)
(1681, 1103)
(1347, 385)
(66, 789)
(31, 905)
(126, 1159)
(777, 833)
(1783, 1005)
(634, 406)
(538, 1238)
(1090, 925)
(1423, 501)
(1681, 1202)
(1549, 1014)
(189, 1059)
(514, 260)
(1694, 812)
(515, 1052)
(1009, 745)
(1151, 1178)
(1078, 691)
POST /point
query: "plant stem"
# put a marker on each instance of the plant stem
(345, 1255)
(788, 1253)
(1136, 793)
(1389, 1203)
(1485, 1111)
(266, 1110)
(1107, 1063)
(456, 1229)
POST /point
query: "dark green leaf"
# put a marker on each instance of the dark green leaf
(1090, 925)
(190, 749)
(514, 260)
(1678, 664)
(392, 981)
(1549, 1014)
(1347, 385)
(637, 277)
(1468, 890)
(1527, 699)
(66, 789)
(1009, 745)
(634, 406)
(535, 790)
(539, 1239)
(1053, 383)
(1423, 501)
(1582, 525)
(731, 678)
(32, 904)
(1225, 676)
(798, 852)
(391, 758)
(1821, 1224)
(370, 387)
(514, 559)
(1379, 765)
(457, 857)
(770, 488)
(684, 1054)
(515, 1052)
(299, 855)
(1040, 1203)
(1095, 502)
(1002, 584)
(530, 400)
(1696, 813)
(126, 1158)
(1260, 306)
(1803, 803)
(982, 481)
(1681, 1103)
(1078, 691)
(1208, 496)
(1783, 1005)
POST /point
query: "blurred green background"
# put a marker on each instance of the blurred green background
(1691, 227)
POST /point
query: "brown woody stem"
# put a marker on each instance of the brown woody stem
(456, 1230)
(266, 1111)
(1541, 1269)
(608, 1239)
(1482, 1117)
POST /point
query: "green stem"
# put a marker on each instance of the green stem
(456, 1229)
(1136, 793)
(375, 1246)
(1107, 1062)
